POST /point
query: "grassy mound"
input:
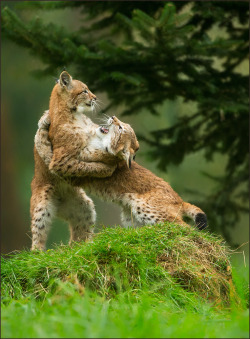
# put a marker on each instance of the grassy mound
(167, 260)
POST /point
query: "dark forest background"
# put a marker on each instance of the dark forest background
(178, 72)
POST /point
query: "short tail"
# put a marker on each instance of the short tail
(196, 214)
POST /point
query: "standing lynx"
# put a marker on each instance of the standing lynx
(51, 194)
(144, 197)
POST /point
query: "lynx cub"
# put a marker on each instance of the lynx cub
(143, 197)
(51, 194)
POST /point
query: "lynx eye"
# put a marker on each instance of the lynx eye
(85, 91)
(120, 127)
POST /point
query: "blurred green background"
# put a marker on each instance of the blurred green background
(25, 97)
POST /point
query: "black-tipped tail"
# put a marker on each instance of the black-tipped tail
(201, 221)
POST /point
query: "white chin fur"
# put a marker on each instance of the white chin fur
(84, 109)
(99, 133)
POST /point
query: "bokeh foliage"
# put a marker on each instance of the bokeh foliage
(144, 53)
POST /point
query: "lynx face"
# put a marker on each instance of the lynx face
(119, 139)
(75, 93)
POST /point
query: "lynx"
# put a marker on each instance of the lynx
(143, 197)
(51, 194)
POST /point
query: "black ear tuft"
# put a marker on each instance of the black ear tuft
(65, 80)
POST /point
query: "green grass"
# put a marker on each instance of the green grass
(76, 316)
(156, 281)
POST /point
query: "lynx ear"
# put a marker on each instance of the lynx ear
(65, 80)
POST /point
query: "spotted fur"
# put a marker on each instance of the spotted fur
(143, 197)
(66, 145)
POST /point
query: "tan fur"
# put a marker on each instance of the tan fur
(144, 197)
(51, 194)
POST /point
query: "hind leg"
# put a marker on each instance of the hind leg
(128, 218)
(79, 210)
(138, 211)
(138, 214)
(42, 210)
(146, 211)
(154, 210)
